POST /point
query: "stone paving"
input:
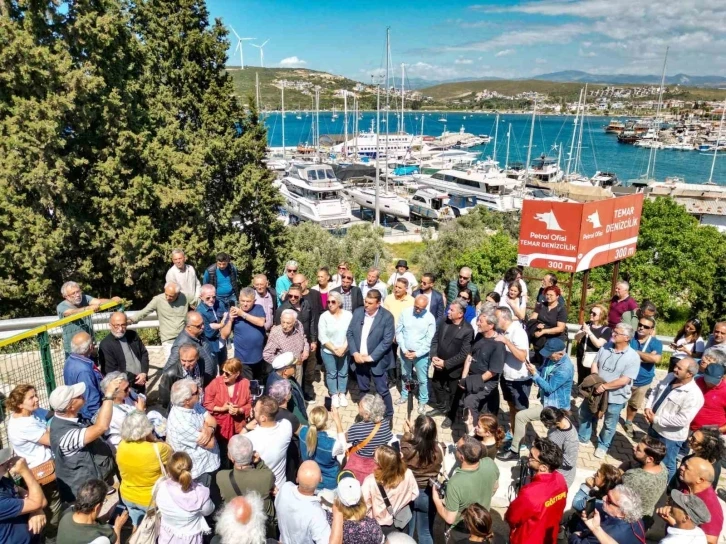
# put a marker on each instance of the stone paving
(587, 464)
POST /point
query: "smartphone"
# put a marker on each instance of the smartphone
(116, 513)
(590, 506)
(254, 388)
(328, 404)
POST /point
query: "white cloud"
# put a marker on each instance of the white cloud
(540, 61)
(292, 62)
(586, 54)
(534, 35)
(463, 61)
(425, 70)
(505, 52)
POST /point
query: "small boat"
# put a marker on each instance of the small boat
(615, 127)
(604, 179)
(431, 204)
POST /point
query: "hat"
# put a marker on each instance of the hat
(402, 263)
(349, 493)
(5, 455)
(693, 506)
(62, 396)
(553, 345)
(283, 361)
(713, 374)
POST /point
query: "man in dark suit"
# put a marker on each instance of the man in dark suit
(352, 296)
(370, 340)
(436, 299)
(123, 351)
(449, 349)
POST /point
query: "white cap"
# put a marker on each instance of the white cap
(283, 360)
(62, 396)
(349, 492)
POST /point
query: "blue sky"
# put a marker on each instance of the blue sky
(450, 39)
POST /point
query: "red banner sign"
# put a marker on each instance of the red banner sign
(572, 237)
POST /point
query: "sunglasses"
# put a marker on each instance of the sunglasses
(464, 298)
(227, 373)
(594, 313)
(342, 268)
(293, 270)
(646, 327)
(464, 277)
(293, 296)
(332, 302)
(347, 277)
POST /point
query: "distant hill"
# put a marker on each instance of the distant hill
(628, 79)
(446, 92)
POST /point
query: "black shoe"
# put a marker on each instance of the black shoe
(435, 412)
(446, 424)
(508, 455)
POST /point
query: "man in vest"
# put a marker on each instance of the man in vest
(80, 452)
(223, 276)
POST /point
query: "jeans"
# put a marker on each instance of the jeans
(424, 513)
(520, 424)
(612, 414)
(672, 449)
(422, 368)
(229, 301)
(136, 511)
(336, 372)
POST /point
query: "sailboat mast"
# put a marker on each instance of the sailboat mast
(509, 135)
(378, 150)
(571, 157)
(317, 121)
(654, 149)
(388, 63)
(345, 122)
(718, 142)
(403, 97)
(578, 162)
(282, 91)
(531, 141)
(496, 133)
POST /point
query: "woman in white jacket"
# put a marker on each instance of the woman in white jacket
(183, 504)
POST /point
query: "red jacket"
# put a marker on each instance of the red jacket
(216, 394)
(534, 516)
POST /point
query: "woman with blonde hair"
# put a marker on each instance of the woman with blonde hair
(183, 503)
(593, 335)
(391, 483)
(358, 527)
(318, 445)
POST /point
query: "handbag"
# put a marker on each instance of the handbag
(400, 518)
(148, 530)
(44, 473)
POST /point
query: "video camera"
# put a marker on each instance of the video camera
(411, 386)
(439, 487)
(521, 476)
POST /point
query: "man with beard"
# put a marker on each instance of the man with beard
(123, 351)
(75, 302)
(241, 521)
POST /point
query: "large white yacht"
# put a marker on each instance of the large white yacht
(370, 144)
(313, 193)
(546, 169)
(389, 203)
(491, 188)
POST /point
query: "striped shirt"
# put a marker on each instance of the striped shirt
(358, 432)
(73, 441)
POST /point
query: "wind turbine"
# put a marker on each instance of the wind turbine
(239, 46)
(262, 52)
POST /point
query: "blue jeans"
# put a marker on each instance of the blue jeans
(587, 418)
(336, 372)
(424, 513)
(672, 449)
(422, 376)
(136, 512)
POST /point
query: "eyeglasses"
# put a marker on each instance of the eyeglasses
(341, 268)
(332, 302)
(647, 327)
(293, 270)
(227, 373)
(196, 326)
(293, 296)
(594, 313)
(464, 277)
(210, 297)
(464, 298)
(346, 277)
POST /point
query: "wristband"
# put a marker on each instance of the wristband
(107, 398)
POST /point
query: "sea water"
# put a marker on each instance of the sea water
(600, 151)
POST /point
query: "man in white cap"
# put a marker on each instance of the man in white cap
(283, 368)
(21, 514)
(79, 450)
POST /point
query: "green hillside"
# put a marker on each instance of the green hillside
(467, 89)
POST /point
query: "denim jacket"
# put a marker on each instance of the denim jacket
(556, 388)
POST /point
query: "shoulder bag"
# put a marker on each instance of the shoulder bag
(400, 518)
(44, 473)
(148, 530)
(360, 445)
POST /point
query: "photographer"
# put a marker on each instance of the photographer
(474, 482)
(534, 516)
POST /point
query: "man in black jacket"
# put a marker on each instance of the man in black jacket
(352, 295)
(192, 334)
(187, 365)
(123, 351)
(449, 349)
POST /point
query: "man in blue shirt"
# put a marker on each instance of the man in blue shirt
(248, 323)
(283, 283)
(223, 276)
(80, 368)
(214, 313)
(415, 330)
(650, 350)
(21, 514)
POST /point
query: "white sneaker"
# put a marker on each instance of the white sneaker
(335, 402)
(343, 400)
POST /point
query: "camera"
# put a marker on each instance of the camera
(410, 385)
(439, 487)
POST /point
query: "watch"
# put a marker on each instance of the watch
(107, 398)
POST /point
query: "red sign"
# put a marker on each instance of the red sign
(572, 237)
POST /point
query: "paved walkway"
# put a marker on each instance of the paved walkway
(620, 450)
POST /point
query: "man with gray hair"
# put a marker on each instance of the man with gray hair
(248, 323)
(617, 364)
(124, 351)
(249, 474)
(193, 334)
(622, 302)
(190, 428)
(241, 521)
(185, 275)
(283, 283)
(75, 301)
(80, 368)
(669, 421)
(621, 519)
(373, 281)
(215, 315)
(450, 347)
(171, 309)
(123, 405)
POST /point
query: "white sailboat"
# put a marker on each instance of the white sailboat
(313, 193)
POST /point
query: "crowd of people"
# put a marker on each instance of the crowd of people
(232, 446)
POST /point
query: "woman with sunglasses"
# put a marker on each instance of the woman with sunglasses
(228, 399)
(707, 444)
(687, 343)
(593, 335)
(123, 404)
(332, 329)
(466, 294)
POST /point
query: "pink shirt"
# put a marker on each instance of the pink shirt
(399, 497)
(714, 406)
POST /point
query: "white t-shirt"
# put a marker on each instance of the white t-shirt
(514, 369)
(301, 518)
(520, 303)
(699, 345)
(23, 435)
(271, 444)
(412, 282)
(502, 289)
(675, 535)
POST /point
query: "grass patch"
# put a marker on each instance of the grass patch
(406, 251)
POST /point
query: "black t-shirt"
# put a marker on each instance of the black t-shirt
(598, 332)
(487, 354)
(550, 318)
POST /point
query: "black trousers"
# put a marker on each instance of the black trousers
(258, 371)
(309, 370)
(447, 392)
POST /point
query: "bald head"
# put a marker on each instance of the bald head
(242, 510)
(308, 477)
(702, 468)
(420, 303)
(194, 324)
(81, 343)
